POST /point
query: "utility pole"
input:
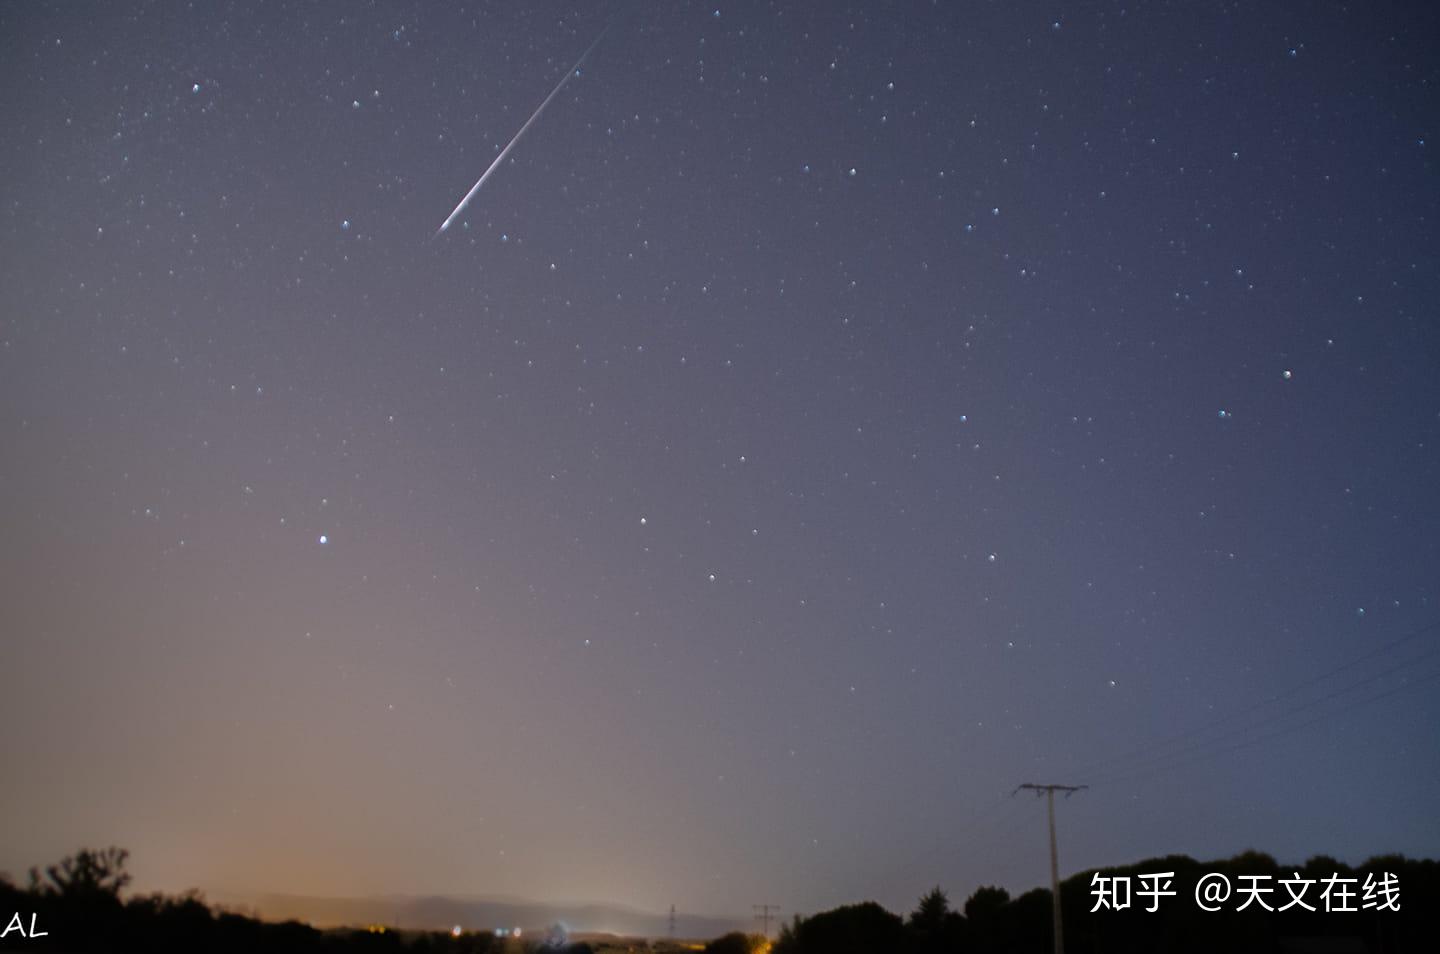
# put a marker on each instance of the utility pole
(672, 922)
(1050, 791)
(764, 913)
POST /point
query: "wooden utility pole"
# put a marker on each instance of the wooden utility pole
(1050, 791)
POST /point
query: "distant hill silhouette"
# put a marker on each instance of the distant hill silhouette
(439, 911)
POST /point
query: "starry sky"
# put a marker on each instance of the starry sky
(826, 418)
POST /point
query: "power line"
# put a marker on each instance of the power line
(1168, 763)
(945, 844)
(1321, 700)
(1154, 748)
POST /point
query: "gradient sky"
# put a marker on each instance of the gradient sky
(827, 418)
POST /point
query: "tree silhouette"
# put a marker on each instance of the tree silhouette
(84, 875)
(929, 914)
(986, 903)
(853, 929)
(787, 942)
(934, 927)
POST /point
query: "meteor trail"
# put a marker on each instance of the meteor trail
(528, 123)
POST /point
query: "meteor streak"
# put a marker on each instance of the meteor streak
(511, 145)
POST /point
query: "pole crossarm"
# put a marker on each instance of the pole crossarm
(1042, 789)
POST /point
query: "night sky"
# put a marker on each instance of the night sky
(825, 419)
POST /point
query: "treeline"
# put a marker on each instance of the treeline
(991, 922)
(77, 906)
(1389, 905)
